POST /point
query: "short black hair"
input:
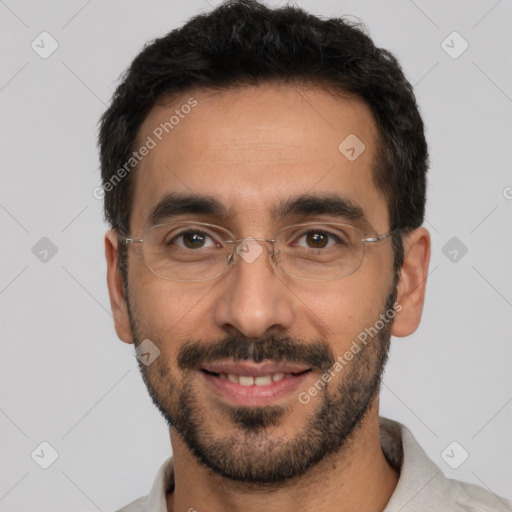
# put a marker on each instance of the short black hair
(244, 42)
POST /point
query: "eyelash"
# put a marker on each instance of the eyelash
(330, 235)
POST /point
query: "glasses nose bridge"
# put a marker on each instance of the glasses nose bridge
(237, 244)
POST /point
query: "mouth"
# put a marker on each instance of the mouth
(254, 380)
(253, 384)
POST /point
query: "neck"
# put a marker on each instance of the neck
(356, 478)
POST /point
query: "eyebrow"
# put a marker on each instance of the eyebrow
(334, 205)
(306, 205)
(174, 205)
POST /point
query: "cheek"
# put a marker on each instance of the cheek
(342, 309)
(346, 311)
(169, 310)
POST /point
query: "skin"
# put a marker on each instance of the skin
(250, 148)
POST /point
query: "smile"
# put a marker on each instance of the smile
(248, 380)
(253, 384)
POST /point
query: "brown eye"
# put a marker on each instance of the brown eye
(320, 239)
(193, 240)
(317, 240)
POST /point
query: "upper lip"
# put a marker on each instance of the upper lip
(252, 369)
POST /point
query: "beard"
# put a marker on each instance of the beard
(252, 452)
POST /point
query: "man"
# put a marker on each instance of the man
(264, 175)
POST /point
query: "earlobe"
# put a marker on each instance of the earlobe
(118, 302)
(412, 283)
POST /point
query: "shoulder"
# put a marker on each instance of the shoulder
(469, 497)
(155, 501)
(422, 486)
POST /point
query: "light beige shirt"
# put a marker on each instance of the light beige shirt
(422, 487)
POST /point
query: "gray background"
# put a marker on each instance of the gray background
(65, 377)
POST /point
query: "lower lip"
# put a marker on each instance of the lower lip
(254, 395)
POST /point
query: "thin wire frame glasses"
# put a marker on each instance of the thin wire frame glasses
(192, 251)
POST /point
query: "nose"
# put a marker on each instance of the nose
(254, 297)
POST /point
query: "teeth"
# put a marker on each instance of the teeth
(263, 380)
(233, 378)
(246, 380)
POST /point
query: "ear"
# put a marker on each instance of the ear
(412, 283)
(118, 302)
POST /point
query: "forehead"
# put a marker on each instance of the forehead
(254, 147)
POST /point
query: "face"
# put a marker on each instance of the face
(252, 151)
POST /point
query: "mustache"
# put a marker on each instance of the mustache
(277, 348)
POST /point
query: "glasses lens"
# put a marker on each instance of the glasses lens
(320, 252)
(190, 251)
(186, 251)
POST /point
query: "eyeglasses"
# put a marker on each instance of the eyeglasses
(195, 251)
